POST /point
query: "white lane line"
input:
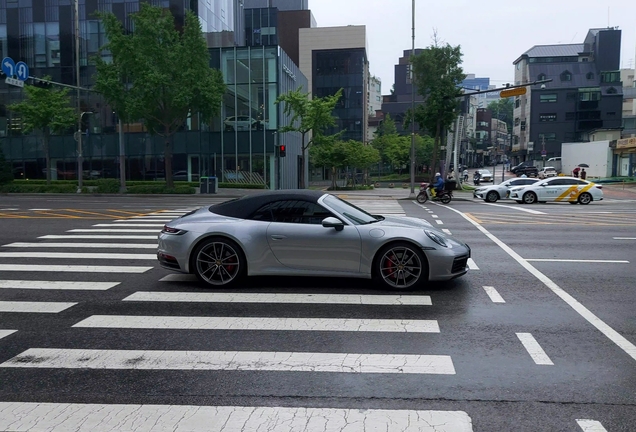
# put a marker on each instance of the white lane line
(139, 222)
(517, 208)
(609, 332)
(5, 333)
(83, 245)
(534, 349)
(9, 209)
(46, 254)
(434, 216)
(98, 237)
(232, 360)
(472, 265)
(39, 209)
(447, 231)
(179, 277)
(72, 268)
(115, 230)
(259, 323)
(130, 225)
(57, 285)
(494, 295)
(351, 299)
(590, 425)
(624, 238)
(36, 307)
(575, 261)
(141, 218)
(439, 222)
(22, 416)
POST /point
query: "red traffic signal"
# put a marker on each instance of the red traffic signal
(282, 150)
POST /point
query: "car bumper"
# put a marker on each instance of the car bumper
(173, 251)
(448, 263)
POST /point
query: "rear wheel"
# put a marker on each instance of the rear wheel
(218, 261)
(400, 266)
(585, 198)
(492, 196)
(519, 201)
(529, 198)
(445, 198)
(422, 197)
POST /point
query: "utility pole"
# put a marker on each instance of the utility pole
(412, 194)
(80, 162)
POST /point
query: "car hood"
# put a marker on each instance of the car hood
(403, 222)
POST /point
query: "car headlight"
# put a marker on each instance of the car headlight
(436, 238)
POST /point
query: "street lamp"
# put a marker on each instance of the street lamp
(412, 194)
(78, 137)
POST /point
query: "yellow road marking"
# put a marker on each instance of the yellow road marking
(59, 215)
(127, 212)
(473, 217)
(93, 213)
(12, 215)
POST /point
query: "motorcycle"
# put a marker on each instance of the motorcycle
(445, 196)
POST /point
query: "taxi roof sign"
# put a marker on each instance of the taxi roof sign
(512, 92)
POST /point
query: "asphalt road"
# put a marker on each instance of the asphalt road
(548, 345)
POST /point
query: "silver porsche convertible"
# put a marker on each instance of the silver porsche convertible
(307, 233)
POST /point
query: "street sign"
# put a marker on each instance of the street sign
(8, 67)
(15, 82)
(543, 153)
(22, 71)
(513, 92)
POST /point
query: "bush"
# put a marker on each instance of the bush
(159, 189)
(241, 186)
(107, 186)
(17, 187)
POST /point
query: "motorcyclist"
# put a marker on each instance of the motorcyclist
(476, 177)
(439, 184)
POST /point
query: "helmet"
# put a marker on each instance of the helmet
(437, 174)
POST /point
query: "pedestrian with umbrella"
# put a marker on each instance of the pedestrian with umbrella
(583, 174)
(575, 172)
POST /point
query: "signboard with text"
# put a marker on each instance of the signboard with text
(519, 91)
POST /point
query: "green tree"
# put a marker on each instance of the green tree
(502, 109)
(362, 156)
(438, 74)
(45, 111)
(386, 127)
(330, 153)
(6, 173)
(308, 117)
(160, 74)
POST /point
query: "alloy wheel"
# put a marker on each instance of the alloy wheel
(218, 263)
(400, 267)
(585, 198)
(529, 198)
(492, 196)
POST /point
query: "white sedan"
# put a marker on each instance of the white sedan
(561, 189)
(500, 191)
(486, 176)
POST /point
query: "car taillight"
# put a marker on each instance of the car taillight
(169, 230)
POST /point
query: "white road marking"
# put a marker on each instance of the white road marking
(259, 323)
(57, 285)
(39, 209)
(99, 237)
(517, 208)
(434, 216)
(447, 231)
(179, 277)
(113, 230)
(73, 268)
(130, 225)
(439, 222)
(36, 307)
(232, 360)
(57, 417)
(624, 238)
(352, 299)
(472, 265)
(494, 295)
(609, 332)
(590, 425)
(141, 218)
(46, 254)
(10, 209)
(139, 222)
(5, 333)
(534, 349)
(84, 245)
(575, 261)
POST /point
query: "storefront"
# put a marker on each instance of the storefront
(625, 157)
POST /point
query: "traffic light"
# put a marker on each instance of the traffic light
(282, 150)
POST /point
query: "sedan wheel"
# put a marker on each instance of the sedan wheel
(218, 261)
(585, 198)
(400, 266)
(529, 198)
(492, 196)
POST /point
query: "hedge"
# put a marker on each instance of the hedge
(39, 188)
(159, 189)
(241, 186)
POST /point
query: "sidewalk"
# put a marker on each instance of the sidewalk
(619, 190)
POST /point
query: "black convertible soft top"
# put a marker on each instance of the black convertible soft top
(244, 207)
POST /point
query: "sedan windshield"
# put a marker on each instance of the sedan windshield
(356, 215)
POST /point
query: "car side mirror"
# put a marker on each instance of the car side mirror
(332, 222)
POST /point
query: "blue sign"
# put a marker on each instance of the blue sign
(543, 153)
(8, 67)
(22, 71)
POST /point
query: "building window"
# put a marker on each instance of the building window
(611, 113)
(570, 116)
(517, 103)
(589, 75)
(541, 77)
(611, 77)
(629, 123)
(550, 136)
(523, 125)
(517, 121)
(549, 98)
(589, 94)
(566, 76)
(518, 65)
(611, 90)
(547, 117)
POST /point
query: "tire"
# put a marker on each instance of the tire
(492, 196)
(422, 197)
(529, 198)
(519, 201)
(229, 268)
(445, 198)
(390, 256)
(585, 198)
(573, 202)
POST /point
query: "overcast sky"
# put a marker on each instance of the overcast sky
(492, 33)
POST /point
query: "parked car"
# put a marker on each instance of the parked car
(547, 172)
(561, 189)
(494, 192)
(242, 123)
(526, 168)
(183, 176)
(486, 176)
(307, 233)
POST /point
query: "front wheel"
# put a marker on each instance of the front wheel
(445, 198)
(573, 202)
(422, 197)
(529, 198)
(218, 261)
(585, 198)
(492, 196)
(400, 266)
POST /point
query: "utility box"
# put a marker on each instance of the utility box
(209, 185)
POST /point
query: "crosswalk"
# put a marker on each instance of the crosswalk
(99, 260)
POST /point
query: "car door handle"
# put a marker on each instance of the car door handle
(278, 237)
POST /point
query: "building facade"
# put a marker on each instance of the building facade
(585, 94)
(629, 103)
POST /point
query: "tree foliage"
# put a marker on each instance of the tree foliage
(337, 155)
(159, 75)
(502, 109)
(438, 74)
(386, 127)
(45, 111)
(308, 117)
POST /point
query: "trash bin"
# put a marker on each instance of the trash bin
(209, 185)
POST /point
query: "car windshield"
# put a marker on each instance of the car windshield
(356, 215)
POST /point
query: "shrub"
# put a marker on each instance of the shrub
(159, 189)
(107, 186)
(241, 186)
(38, 188)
